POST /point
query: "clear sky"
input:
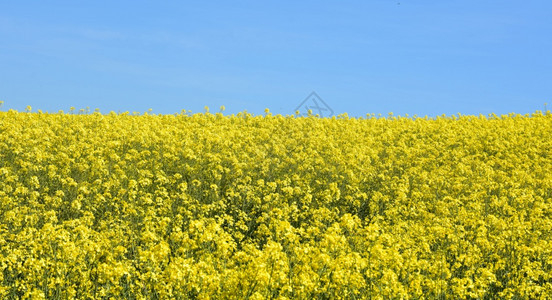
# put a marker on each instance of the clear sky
(373, 56)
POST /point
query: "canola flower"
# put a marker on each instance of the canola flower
(207, 206)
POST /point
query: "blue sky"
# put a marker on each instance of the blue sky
(377, 56)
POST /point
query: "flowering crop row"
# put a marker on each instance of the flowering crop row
(271, 207)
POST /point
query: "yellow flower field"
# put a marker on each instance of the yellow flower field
(206, 206)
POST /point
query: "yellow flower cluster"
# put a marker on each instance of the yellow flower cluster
(206, 206)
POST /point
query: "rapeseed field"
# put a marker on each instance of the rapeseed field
(207, 206)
